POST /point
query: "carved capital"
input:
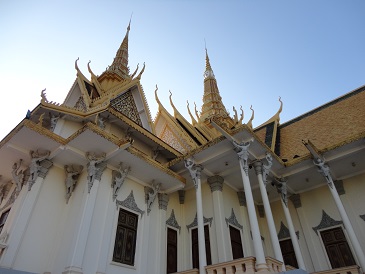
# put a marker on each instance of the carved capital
(95, 168)
(195, 170)
(72, 175)
(242, 152)
(216, 183)
(282, 189)
(163, 201)
(39, 166)
(258, 167)
(241, 198)
(151, 193)
(295, 198)
(181, 196)
(118, 178)
(324, 170)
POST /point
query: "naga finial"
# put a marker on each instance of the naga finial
(43, 95)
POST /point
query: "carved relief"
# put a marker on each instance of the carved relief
(150, 193)
(173, 222)
(163, 201)
(326, 222)
(233, 220)
(130, 203)
(168, 136)
(118, 178)
(95, 168)
(284, 232)
(195, 221)
(72, 175)
(324, 170)
(39, 166)
(241, 198)
(195, 170)
(18, 175)
(125, 104)
(242, 152)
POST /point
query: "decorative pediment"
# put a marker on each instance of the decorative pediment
(173, 222)
(195, 221)
(233, 220)
(125, 104)
(326, 222)
(130, 203)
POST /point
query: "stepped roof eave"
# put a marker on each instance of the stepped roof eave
(32, 136)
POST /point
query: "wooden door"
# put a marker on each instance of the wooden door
(337, 248)
(287, 250)
(236, 243)
(171, 250)
(195, 246)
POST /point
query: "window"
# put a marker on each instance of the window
(236, 242)
(171, 250)
(195, 246)
(125, 238)
(287, 250)
(337, 248)
(3, 218)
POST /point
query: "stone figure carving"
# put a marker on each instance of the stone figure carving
(93, 167)
(282, 189)
(53, 120)
(151, 195)
(324, 170)
(242, 152)
(118, 178)
(100, 121)
(18, 175)
(72, 175)
(266, 168)
(34, 167)
(194, 169)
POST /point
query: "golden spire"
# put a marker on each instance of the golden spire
(120, 63)
(212, 101)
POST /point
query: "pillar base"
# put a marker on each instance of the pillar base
(262, 268)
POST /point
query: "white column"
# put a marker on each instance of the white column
(247, 240)
(163, 200)
(77, 252)
(216, 186)
(242, 152)
(183, 243)
(27, 200)
(325, 171)
(261, 172)
(195, 172)
(293, 236)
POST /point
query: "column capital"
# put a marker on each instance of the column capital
(258, 167)
(241, 198)
(163, 201)
(216, 183)
(194, 169)
(181, 196)
(324, 170)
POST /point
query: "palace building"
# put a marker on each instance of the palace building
(94, 185)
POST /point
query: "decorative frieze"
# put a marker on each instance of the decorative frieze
(233, 220)
(216, 183)
(95, 168)
(195, 170)
(118, 178)
(72, 175)
(195, 221)
(130, 203)
(163, 201)
(326, 222)
(241, 198)
(181, 196)
(171, 221)
(39, 166)
(297, 202)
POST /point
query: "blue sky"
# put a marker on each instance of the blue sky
(307, 52)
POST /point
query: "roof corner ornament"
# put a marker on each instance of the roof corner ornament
(118, 178)
(235, 116)
(191, 116)
(76, 66)
(195, 170)
(196, 112)
(141, 72)
(43, 96)
(134, 73)
(249, 123)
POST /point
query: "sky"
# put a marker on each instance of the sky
(306, 52)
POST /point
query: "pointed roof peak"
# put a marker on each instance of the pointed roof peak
(208, 68)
